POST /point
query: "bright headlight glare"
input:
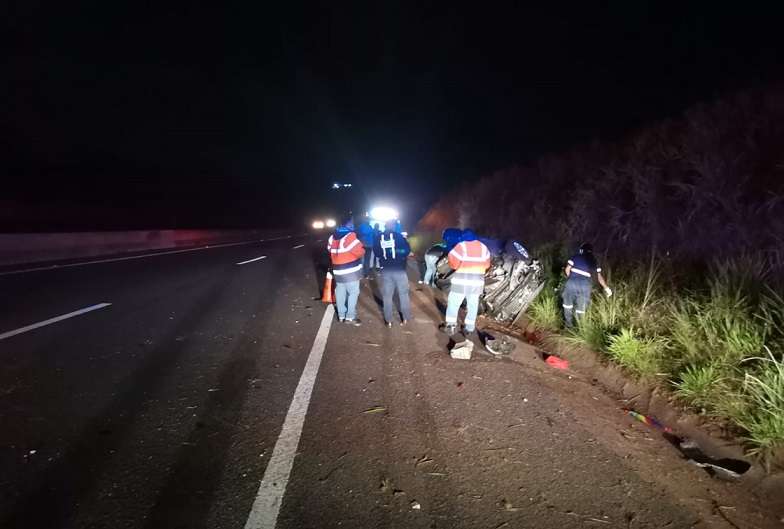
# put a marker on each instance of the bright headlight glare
(383, 213)
(331, 223)
(318, 224)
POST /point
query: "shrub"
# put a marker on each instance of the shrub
(589, 333)
(763, 415)
(545, 311)
(701, 386)
(642, 356)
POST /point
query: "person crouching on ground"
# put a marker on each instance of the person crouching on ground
(346, 252)
(470, 259)
(577, 292)
(392, 249)
(433, 254)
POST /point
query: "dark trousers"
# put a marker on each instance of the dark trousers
(367, 261)
(576, 299)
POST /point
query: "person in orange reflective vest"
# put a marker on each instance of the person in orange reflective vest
(346, 252)
(470, 259)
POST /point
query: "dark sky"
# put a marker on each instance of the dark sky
(216, 116)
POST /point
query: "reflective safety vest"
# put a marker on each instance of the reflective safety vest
(583, 267)
(388, 244)
(346, 256)
(470, 260)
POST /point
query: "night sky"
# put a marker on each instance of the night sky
(119, 115)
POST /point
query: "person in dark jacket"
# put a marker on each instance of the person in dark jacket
(580, 270)
(366, 236)
(392, 250)
(376, 231)
(451, 237)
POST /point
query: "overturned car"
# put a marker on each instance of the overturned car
(512, 282)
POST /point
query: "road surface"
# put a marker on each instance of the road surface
(209, 389)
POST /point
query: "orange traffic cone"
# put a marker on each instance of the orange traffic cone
(326, 295)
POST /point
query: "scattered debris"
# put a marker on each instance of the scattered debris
(212, 390)
(507, 506)
(586, 517)
(373, 344)
(498, 346)
(650, 421)
(375, 409)
(723, 468)
(422, 460)
(558, 363)
(462, 350)
(386, 484)
(415, 505)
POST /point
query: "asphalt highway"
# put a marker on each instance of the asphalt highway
(187, 390)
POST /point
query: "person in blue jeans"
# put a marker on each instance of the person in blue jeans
(576, 296)
(431, 259)
(346, 252)
(392, 250)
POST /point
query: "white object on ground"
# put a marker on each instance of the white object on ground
(462, 350)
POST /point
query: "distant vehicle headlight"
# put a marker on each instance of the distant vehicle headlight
(331, 223)
(318, 224)
(383, 213)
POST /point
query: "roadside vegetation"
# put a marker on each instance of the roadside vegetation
(687, 216)
(716, 340)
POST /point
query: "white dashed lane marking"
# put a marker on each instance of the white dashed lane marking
(251, 260)
(53, 320)
(298, 246)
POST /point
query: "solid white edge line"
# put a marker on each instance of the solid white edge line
(53, 320)
(266, 506)
(251, 260)
(298, 246)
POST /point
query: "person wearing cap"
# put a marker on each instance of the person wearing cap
(470, 259)
(580, 270)
(346, 252)
(392, 250)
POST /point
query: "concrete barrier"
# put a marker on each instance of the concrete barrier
(24, 248)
